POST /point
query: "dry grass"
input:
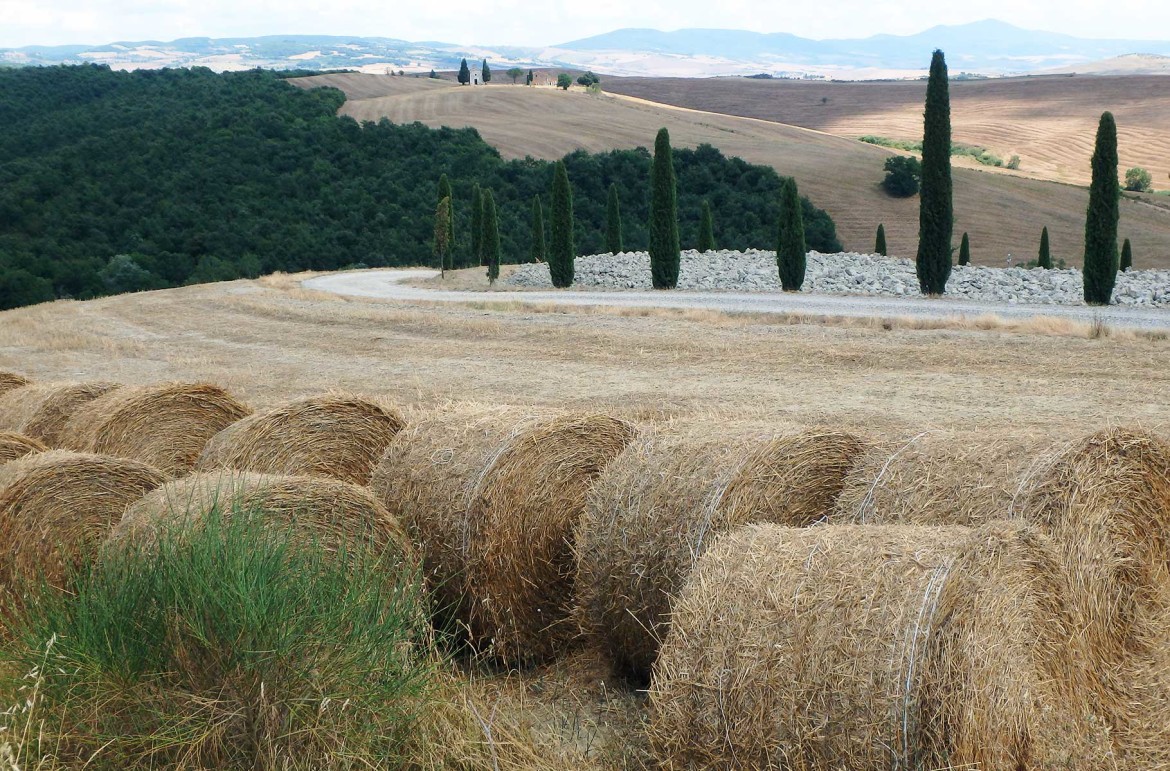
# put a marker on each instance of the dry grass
(14, 445)
(11, 380)
(334, 435)
(42, 410)
(1002, 212)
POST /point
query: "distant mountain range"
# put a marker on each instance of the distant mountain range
(987, 47)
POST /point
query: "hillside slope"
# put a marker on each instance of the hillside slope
(1003, 213)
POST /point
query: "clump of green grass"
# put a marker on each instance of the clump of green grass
(980, 154)
(229, 645)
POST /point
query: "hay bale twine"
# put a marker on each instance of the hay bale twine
(1105, 500)
(491, 496)
(164, 425)
(41, 410)
(56, 508)
(14, 445)
(326, 512)
(10, 380)
(660, 503)
(939, 478)
(871, 647)
(332, 435)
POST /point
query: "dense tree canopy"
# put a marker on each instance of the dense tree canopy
(116, 181)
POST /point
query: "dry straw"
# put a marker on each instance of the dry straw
(10, 380)
(872, 647)
(329, 513)
(332, 435)
(56, 508)
(164, 425)
(41, 410)
(14, 445)
(657, 507)
(492, 496)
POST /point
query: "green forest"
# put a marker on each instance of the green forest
(113, 182)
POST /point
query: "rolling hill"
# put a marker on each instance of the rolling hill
(1002, 212)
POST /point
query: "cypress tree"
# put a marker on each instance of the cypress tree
(791, 249)
(486, 72)
(935, 214)
(491, 237)
(536, 251)
(664, 249)
(476, 257)
(706, 229)
(445, 192)
(1101, 260)
(562, 250)
(1044, 259)
(1126, 256)
(965, 250)
(613, 223)
(442, 245)
(879, 243)
(529, 81)
(464, 73)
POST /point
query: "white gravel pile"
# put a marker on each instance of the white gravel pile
(852, 273)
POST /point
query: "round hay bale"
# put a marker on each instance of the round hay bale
(10, 380)
(1105, 501)
(332, 436)
(326, 512)
(164, 425)
(14, 445)
(491, 496)
(660, 503)
(871, 647)
(41, 410)
(56, 508)
(939, 479)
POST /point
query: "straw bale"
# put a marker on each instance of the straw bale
(660, 503)
(1105, 501)
(871, 647)
(939, 478)
(56, 508)
(329, 513)
(331, 435)
(10, 380)
(491, 495)
(164, 425)
(41, 410)
(14, 445)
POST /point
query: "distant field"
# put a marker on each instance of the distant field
(1003, 213)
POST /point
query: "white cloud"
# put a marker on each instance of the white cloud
(524, 22)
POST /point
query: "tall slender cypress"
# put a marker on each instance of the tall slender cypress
(706, 229)
(464, 73)
(1101, 260)
(491, 237)
(562, 250)
(664, 249)
(485, 72)
(1044, 259)
(442, 249)
(613, 222)
(445, 192)
(879, 243)
(476, 257)
(1126, 256)
(936, 213)
(965, 250)
(791, 248)
(536, 250)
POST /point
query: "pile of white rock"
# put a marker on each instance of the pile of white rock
(852, 273)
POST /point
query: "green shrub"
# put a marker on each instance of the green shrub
(1138, 180)
(228, 645)
(903, 174)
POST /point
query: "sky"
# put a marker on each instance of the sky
(548, 22)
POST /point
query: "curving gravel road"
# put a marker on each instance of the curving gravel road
(387, 285)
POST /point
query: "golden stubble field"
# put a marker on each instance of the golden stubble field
(1003, 212)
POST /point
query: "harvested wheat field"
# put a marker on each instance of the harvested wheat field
(164, 425)
(334, 435)
(42, 410)
(658, 506)
(873, 647)
(492, 497)
(57, 507)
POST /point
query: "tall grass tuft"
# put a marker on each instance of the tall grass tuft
(227, 645)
